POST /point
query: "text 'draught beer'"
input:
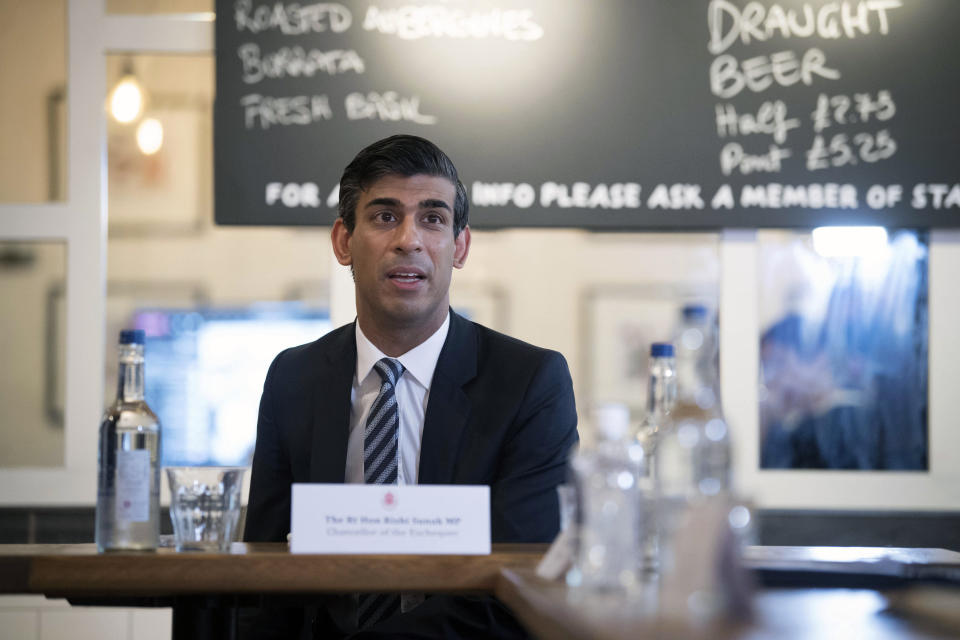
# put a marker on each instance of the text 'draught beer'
(128, 470)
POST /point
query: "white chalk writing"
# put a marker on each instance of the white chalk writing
(294, 62)
(412, 22)
(584, 196)
(771, 119)
(292, 194)
(936, 196)
(291, 19)
(810, 196)
(388, 106)
(830, 20)
(675, 196)
(844, 150)
(840, 109)
(884, 196)
(749, 23)
(728, 76)
(733, 157)
(723, 198)
(269, 111)
(502, 194)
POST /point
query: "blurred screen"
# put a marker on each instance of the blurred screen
(205, 370)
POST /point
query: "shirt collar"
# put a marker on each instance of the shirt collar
(420, 362)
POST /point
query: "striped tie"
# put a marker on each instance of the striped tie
(380, 467)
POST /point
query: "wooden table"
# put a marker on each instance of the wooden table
(206, 589)
(78, 570)
(876, 593)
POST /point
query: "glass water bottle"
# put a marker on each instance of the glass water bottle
(128, 469)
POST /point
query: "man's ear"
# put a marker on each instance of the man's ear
(461, 248)
(340, 238)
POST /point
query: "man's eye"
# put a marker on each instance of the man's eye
(385, 216)
(434, 218)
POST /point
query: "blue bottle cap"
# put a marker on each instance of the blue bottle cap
(132, 336)
(694, 311)
(661, 350)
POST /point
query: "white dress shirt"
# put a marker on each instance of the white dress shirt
(413, 393)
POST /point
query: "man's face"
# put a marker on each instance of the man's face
(402, 251)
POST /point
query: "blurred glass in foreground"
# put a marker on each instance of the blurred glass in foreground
(609, 554)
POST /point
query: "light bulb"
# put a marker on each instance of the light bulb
(126, 101)
(838, 242)
(150, 136)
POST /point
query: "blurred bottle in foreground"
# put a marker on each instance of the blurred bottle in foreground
(695, 456)
(607, 475)
(701, 523)
(128, 469)
(661, 398)
(661, 394)
(693, 451)
(697, 342)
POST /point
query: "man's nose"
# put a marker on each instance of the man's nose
(408, 235)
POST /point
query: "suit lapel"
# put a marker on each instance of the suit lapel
(331, 412)
(448, 406)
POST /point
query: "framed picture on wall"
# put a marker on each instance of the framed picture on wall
(843, 350)
(620, 322)
(485, 303)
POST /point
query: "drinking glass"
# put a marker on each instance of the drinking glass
(205, 506)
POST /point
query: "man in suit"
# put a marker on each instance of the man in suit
(473, 406)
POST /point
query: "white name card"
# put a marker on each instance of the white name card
(414, 519)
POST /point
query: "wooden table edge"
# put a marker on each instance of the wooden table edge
(76, 570)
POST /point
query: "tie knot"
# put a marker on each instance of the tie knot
(389, 369)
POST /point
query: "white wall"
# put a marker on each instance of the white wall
(34, 67)
(36, 618)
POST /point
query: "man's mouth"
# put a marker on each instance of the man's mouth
(406, 276)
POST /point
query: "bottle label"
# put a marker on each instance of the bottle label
(133, 485)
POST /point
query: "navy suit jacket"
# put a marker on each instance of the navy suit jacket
(501, 413)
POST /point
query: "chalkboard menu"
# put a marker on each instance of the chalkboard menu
(620, 114)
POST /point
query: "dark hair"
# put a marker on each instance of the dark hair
(401, 155)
